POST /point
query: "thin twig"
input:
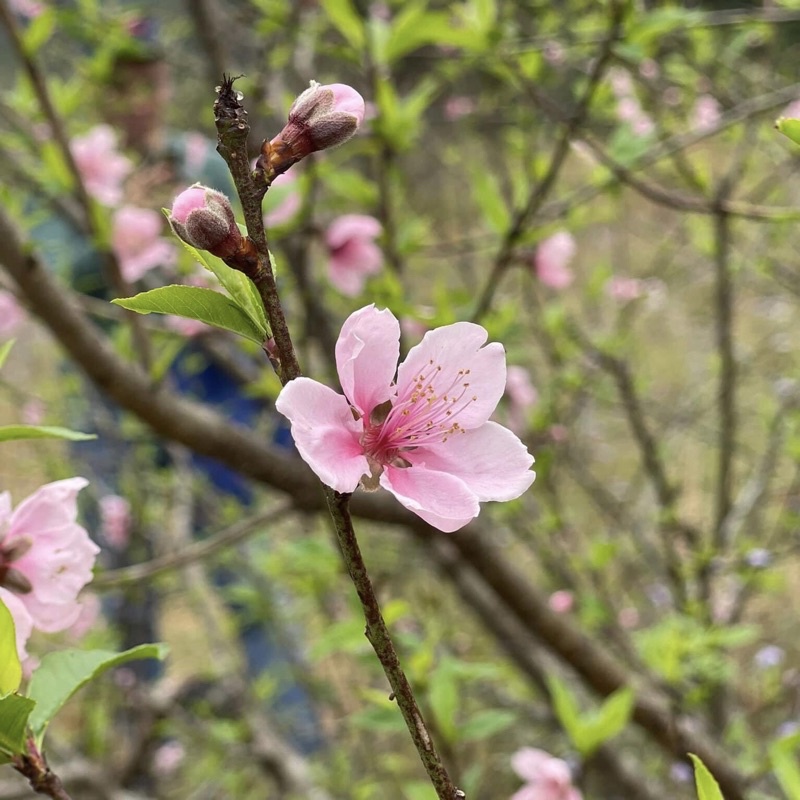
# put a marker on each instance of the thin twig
(538, 195)
(189, 554)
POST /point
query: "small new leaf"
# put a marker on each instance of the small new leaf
(707, 786)
(10, 667)
(789, 127)
(192, 302)
(63, 672)
(11, 432)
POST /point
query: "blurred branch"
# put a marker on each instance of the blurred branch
(540, 191)
(191, 553)
(205, 14)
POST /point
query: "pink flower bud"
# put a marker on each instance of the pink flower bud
(203, 218)
(321, 117)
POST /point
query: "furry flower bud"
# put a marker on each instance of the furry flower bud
(321, 117)
(203, 218)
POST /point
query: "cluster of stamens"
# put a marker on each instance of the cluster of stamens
(419, 416)
(11, 578)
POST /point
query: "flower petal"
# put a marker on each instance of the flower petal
(528, 762)
(50, 506)
(467, 368)
(351, 226)
(325, 433)
(442, 500)
(490, 460)
(366, 357)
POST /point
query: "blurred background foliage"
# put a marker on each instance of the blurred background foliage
(664, 518)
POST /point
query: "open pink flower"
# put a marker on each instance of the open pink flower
(552, 259)
(46, 558)
(137, 242)
(423, 435)
(12, 314)
(547, 777)
(102, 167)
(353, 253)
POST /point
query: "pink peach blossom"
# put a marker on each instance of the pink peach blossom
(706, 113)
(352, 252)
(115, 519)
(792, 111)
(33, 412)
(624, 289)
(458, 106)
(12, 314)
(522, 395)
(320, 117)
(102, 167)
(552, 259)
(424, 435)
(547, 777)
(29, 9)
(137, 243)
(561, 601)
(283, 200)
(46, 558)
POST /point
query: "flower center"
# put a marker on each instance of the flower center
(425, 411)
(10, 577)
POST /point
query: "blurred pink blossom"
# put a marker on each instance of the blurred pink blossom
(458, 106)
(115, 520)
(792, 111)
(649, 69)
(352, 252)
(628, 617)
(283, 200)
(29, 9)
(45, 556)
(421, 430)
(706, 113)
(546, 777)
(554, 53)
(522, 396)
(621, 82)
(624, 289)
(561, 601)
(102, 167)
(33, 411)
(168, 758)
(196, 150)
(137, 242)
(558, 433)
(552, 259)
(12, 314)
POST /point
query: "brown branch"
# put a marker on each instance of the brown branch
(33, 765)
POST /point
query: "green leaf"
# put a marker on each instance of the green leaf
(10, 432)
(62, 673)
(238, 286)
(783, 757)
(789, 127)
(565, 706)
(14, 713)
(444, 700)
(485, 724)
(345, 19)
(10, 667)
(192, 302)
(707, 786)
(611, 719)
(490, 200)
(414, 27)
(5, 349)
